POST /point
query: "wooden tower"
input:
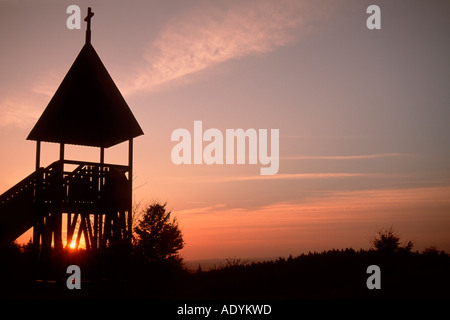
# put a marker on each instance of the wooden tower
(93, 199)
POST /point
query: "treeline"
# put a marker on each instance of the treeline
(153, 269)
(333, 274)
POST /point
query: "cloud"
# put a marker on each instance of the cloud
(216, 33)
(279, 176)
(335, 219)
(378, 205)
(291, 176)
(19, 112)
(351, 157)
(47, 84)
(200, 210)
(22, 109)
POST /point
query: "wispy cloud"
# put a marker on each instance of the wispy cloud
(324, 220)
(279, 176)
(18, 112)
(216, 33)
(291, 176)
(329, 205)
(22, 109)
(348, 157)
(47, 84)
(199, 210)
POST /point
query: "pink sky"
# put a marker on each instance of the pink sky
(363, 114)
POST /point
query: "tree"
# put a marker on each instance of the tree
(158, 237)
(387, 241)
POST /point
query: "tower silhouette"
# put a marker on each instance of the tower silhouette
(93, 199)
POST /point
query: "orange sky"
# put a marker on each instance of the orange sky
(362, 114)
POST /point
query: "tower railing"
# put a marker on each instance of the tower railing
(94, 197)
(89, 185)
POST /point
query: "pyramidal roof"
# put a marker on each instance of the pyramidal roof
(87, 108)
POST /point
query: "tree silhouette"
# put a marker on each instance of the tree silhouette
(387, 241)
(158, 237)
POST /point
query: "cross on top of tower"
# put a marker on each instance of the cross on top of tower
(88, 18)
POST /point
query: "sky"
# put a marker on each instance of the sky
(362, 114)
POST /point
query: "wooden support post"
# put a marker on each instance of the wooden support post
(107, 230)
(88, 235)
(80, 230)
(36, 235)
(68, 235)
(95, 244)
(56, 216)
(85, 227)
(102, 156)
(98, 217)
(130, 160)
(57, 230)
(130, 205)
(102, 168)
(101, 232)
(38, 154)
(71, 224)
(61, 151)
(47, 233)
